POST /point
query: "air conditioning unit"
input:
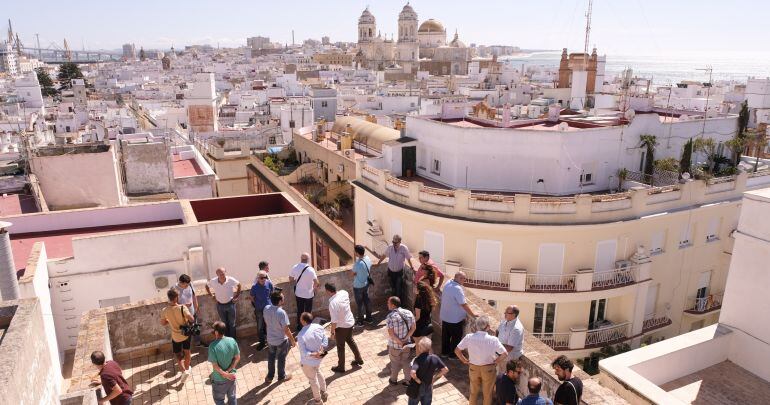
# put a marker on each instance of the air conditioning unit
(349, 153)
(164, 279)
(623, 264)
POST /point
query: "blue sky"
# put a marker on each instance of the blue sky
(621, 27)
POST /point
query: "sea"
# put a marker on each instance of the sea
(667, 69)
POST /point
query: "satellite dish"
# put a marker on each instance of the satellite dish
(686, 176)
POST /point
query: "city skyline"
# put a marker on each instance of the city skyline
(614, 27)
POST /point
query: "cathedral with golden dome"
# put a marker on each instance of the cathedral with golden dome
(416, 48)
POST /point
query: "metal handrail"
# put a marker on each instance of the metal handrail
(705, 304)
(614, 278)
(485, 278)
(554, 340)
(655, 320)
(610, 334)
(550, 283)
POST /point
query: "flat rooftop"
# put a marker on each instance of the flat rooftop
(215, 209)
(58, 244)
(16, 204)
(722, 383)
(185, 167)
(154, 380)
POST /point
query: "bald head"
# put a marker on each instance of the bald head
(304, 257)
(221, 274)
(460, 277)
(534, 385)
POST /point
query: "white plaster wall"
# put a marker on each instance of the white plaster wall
(240, 245)
(81, 179)
(87, 218)
(498, 159)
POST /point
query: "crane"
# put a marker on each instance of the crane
(67, 52)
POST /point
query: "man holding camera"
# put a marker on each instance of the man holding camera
(178, 318)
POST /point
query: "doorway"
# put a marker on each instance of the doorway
(408, 161)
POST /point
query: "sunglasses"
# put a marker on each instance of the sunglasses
(263, 278)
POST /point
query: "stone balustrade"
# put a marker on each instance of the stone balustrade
(580, 208)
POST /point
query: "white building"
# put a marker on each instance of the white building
(726, 361)
(107, 256)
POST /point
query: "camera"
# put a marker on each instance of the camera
(191, 329)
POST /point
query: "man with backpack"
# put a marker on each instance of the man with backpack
(305, 281)
(361, 276)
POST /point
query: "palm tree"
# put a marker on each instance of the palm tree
(708, 147)
(737, 145)
(649, 142)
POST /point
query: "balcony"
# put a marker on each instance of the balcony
(607, 335)
(550, 283)
(493, 280)
(556, 341)
(704, 305)
(615, 278)
(582, 338)
(655, 321)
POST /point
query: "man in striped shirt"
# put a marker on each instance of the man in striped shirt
(401, 326)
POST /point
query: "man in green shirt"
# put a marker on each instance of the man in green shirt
(224, 356)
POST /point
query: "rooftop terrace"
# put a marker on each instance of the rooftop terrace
(141, 345)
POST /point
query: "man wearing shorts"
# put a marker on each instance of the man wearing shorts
(175, 315)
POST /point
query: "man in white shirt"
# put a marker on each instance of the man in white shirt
(511, 335)
(305, 281)
(397, 255)
(484, 352)
(342, 326)
(225, 290)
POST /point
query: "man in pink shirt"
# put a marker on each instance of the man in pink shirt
(435, 280)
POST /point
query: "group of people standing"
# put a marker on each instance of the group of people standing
(492, 357)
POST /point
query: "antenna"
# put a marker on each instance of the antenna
(39, 51)
(588, 32)
(710, 70)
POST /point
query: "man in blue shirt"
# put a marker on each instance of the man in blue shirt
(454, 309)
(505, 385)
(533, 386)
(312, 342)
(279, 337)
(360, 274)
(260, 298)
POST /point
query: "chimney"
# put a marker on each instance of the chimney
(553, 112)
(9, 284)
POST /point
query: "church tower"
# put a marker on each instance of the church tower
(367, 27)
(407, 24)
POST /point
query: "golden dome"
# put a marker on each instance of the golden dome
(431, 26)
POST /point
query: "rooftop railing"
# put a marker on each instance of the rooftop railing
(580, 208)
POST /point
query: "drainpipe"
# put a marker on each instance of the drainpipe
(9, 284)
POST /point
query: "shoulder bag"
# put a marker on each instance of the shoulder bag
(298, 278)
(369, 279)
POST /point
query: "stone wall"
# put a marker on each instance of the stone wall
(134, 330)
(27, 375)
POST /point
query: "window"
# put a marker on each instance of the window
(551, 259)
(686, 239)
(433, 242)
(586, 178)
(712, 233)
(324, 103)
(597, 313)
(436, 167)
(545, 318)
(658, 242)
(271, 140)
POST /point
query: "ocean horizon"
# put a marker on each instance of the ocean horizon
(667, 69)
